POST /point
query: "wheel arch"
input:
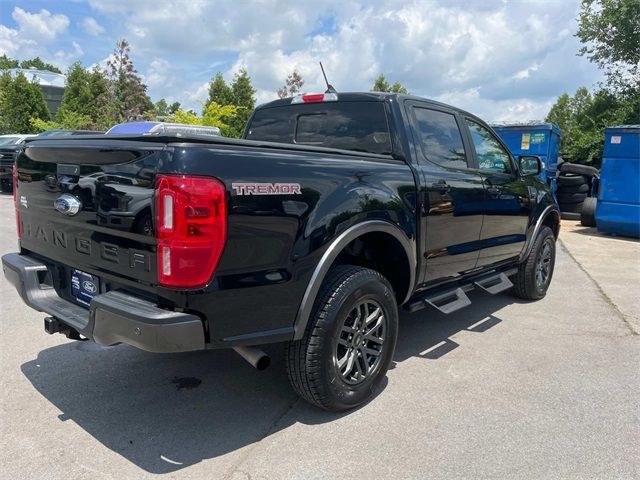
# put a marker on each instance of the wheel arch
(549, 217)
(368, 231)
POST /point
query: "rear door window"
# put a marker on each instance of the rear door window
(440, 137)
(357, 126)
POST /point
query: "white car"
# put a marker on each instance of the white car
(14, 139)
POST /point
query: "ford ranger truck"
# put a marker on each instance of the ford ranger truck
(333, 212)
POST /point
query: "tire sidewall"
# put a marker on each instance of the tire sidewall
(370, 288)
(545, 238)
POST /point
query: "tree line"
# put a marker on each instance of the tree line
(100, 97)
(609, 31)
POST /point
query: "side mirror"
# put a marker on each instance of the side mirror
(529, 165)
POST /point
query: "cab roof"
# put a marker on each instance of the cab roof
(369, 97)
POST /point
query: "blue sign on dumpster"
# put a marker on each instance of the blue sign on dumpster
(541, 139)
(618, 208)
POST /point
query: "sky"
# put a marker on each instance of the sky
(502, 60)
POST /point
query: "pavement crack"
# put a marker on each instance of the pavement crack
(603, 294)
(267, 431)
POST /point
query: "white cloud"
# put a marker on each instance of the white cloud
(40, 26)
(92, 27)
(509, 110)
(196, 96)
(158, 74)
(66, 58)
(500, 60)
(34, 33)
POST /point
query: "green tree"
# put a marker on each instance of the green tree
(609, 31)
(20, 101)
(105, 114)
(382, 85)
(85, 102)
(214, 115)
(239, 94)
(610, 34)
(162, 109)
(242, 97)
(583, 118)
(77, 97)
(174, 107)
(39, 64)
(219, 91)
(242, 91)
(220, 116)
(6, 62)
(561, 113)
(292, 85)
(71, 120)
(189, 117)
(128, 93)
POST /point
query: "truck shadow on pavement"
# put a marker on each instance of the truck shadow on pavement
(167, 412)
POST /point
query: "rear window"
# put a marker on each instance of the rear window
(358, 126)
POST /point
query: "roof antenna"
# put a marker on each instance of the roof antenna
(330, 88)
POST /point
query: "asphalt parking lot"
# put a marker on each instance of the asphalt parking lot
(502, 389)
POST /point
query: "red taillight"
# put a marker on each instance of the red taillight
(315, 97)
(15, 197)
(191, 229)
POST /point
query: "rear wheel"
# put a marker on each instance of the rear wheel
(534, 274)
(349, 341)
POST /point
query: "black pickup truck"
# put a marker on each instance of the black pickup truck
(332, 213)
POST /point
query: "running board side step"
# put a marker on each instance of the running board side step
(494, 284)
(449, 302)
(453, 299)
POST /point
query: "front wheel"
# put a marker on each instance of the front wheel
(349, 341)
(534, 274)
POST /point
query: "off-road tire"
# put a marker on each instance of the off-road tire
(525, 284)
(312, 364)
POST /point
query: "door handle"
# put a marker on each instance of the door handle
(494, 191)
(441, 186)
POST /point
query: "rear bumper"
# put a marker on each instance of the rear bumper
(113, 317)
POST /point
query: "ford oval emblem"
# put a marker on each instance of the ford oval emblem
(67, 204)
(89, 287)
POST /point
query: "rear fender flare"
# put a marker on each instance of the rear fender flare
(332, 252)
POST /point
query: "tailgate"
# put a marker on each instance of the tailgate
(87, 204)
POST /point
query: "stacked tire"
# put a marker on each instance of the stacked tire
(574, 187)
(572, 192)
